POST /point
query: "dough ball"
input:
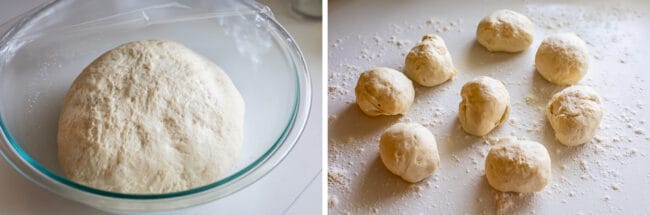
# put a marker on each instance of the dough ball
(574, 114)
(485, 105)
(506, 31)
(429, 62)
(562, 59)
(409, 150)
(150, 116)
(518, 166)
(384, 91)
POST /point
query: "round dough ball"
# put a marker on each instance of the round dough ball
(409, 150)
(429, 62)
(150, 116)
(384, 91)
(485, 105)
(574, 114)
(562, 59)
(506, 31)
(518, 166)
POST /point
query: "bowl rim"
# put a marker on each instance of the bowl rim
(35, 172)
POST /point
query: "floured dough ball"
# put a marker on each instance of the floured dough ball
(506, 31)
(562, 59)
(409, 150)
(575, 114)
(518, 166)
(429, 63)
(384, 91)
(148, 117)
(485, 105)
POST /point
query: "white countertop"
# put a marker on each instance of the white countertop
(609, 175)
(293, 187)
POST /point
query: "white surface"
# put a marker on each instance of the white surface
(610, 175)
(279, 192)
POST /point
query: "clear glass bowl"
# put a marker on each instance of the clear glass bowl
(42, 51)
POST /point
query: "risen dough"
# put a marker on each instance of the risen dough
(429, 62)
(505, 30)
(485, 105)
(518, 166)
(574, 114)
(150, 117)
(562, 59)
(384, 91)
(409, 150)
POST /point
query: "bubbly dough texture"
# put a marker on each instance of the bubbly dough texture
(485, 105)
(518, 166)
(429, 62)
(384, 91)
(506, 31)
(575, 114)
(150, 116)
(409, 150)
(562, 59)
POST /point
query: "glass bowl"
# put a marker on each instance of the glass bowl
(42, 51)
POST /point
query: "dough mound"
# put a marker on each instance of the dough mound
(506, 31)
(429, 63)
(150, 117)
(409, 150)
(384, 91)
(485, 105)
(574, 114)
(562, 59)
(518, 166)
